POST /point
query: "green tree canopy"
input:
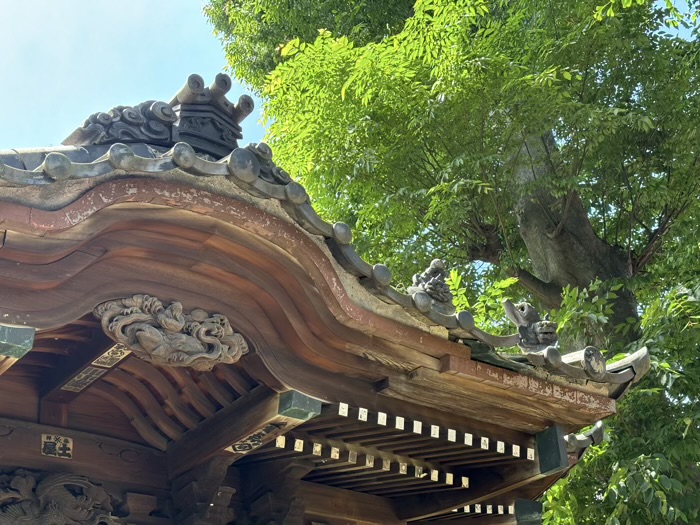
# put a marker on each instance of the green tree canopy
(253, 31)
(555, 142)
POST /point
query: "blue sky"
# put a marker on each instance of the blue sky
(62, 60)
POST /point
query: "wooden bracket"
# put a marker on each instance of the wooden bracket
(199, 496)
(551, 450)
(528, 512)
(274, 492)
(245, 425)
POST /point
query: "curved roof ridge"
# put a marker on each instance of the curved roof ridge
(97, 153)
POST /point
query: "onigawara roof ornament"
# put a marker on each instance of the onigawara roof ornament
(199, 115)
(535, 334)
(269, 171)
(577, 444)
(539, 343)
(433, 282)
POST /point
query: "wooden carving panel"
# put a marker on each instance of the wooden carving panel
(35, 498)
(169, 336)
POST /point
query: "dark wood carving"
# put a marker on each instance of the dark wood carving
(53, 499)
(168, 336)
(200, 496)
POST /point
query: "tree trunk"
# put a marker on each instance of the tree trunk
(560, 240)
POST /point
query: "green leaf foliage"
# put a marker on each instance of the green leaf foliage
(430, 126)
(647, 470)
(256, 33)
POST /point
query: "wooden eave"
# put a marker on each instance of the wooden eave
(274, 282)
(355, 403)
(459, 419)
(405, 418)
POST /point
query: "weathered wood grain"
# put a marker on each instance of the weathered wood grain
(333, 503)
(262, 413)
(98, 457)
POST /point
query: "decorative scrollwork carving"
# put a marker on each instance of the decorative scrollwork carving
(149, 121)
(202, 125)
(168, 336)
(53, 499)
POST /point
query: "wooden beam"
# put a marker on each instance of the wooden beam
(101, 458)
(367, 461)
(329, 502)
(552, 458)
(80, 370)
(271, 492)
(15, 343)
(245, 425)
(524, 512)
(144, 510)
(444, 435)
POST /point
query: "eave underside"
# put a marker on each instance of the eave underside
(280, 288)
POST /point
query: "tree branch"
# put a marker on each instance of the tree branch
(564, 216)
(656, 239)
(548, 293)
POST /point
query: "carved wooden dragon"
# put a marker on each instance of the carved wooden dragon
(56, 499)
(168, 336)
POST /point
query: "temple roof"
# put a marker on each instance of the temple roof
(161, 283)
(175, 141)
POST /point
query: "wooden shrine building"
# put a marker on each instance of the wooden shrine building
(184, 341)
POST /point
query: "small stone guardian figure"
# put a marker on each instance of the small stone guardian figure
(433, 282)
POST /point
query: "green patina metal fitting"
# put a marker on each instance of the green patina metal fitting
(298, 406)
(16, 341)
(551, 450)
(528, 512)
